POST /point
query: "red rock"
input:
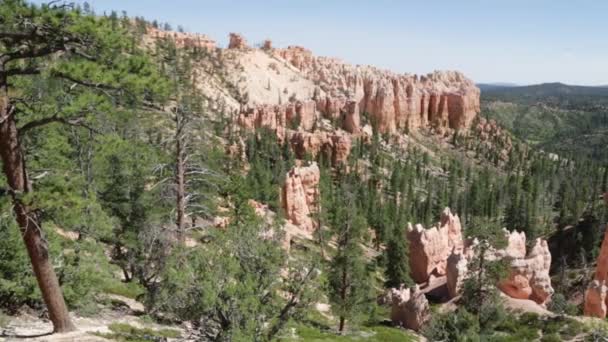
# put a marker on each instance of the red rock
(183, 39)
(299, 114)
(595, 299)
(456, 273)
(300, 196)
(409, 307)
(352, 120)
(595, 296)
(237, 41)
(430, 248)
(335, 145)
(529, 274)
(443, 101)
(529, 277)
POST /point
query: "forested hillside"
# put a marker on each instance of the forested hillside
(567, 120)
(158, 187)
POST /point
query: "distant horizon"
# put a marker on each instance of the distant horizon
(514, 41)
(512, 84)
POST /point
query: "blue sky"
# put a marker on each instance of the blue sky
(518, 41)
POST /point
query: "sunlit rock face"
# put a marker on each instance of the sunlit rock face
(300, 196)
(183, 39)
(237, 41)
(528, 272)
(595, 296)
(335, 145)
(529, 277)
(442, 100)
(430, 248)
(595, 299)
(409, 307)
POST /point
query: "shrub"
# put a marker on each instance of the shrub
(17, 282)
(460, 325)
(560, 305)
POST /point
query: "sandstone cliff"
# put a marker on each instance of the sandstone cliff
(300, 196)
(430, 248)
(595, 296)
(321, 104)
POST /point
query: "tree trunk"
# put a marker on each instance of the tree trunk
(180, 180)
(341, 327)
(14, 169)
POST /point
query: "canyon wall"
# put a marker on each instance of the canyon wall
(442, 100)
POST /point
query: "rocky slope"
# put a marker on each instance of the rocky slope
(321, 104)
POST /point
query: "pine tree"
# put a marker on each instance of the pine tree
(349, 278)
(397, 262)
(90, 63)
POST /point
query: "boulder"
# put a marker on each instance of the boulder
(528, 275)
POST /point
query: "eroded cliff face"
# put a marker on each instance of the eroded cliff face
(183, 39)
(300, 196)
(429, 248)
(409, 307)
(528, 276)
(441, 100)
(318, 101)
(595, 296)
(442, 251)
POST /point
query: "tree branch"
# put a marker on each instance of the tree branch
(22, 71)
(86, 83)
(77, 122)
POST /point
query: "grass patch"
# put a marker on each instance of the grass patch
(369, 334)
(126, 333)
(130, 290)
(4, 319)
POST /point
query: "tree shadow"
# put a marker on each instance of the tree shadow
(24, 337)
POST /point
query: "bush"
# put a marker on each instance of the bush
(18, 285)
(551, 338)
(127, 333)
(84, 273)
(460, 325)
(560, 305)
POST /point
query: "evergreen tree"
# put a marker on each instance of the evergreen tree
(397, 261)
(349, 278)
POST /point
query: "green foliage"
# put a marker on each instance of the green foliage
(458, 326)
(126, 333)
(231, 291)
(397, 262)
(567, 120)
(350, 279)
(17, 282)
(371, 334)
(462, 326)
(560, 305)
